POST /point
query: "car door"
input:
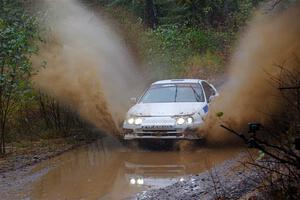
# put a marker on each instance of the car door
(210, 92)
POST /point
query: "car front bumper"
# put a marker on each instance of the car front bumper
(187, 133)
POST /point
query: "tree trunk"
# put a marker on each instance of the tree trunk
(43, 110)
(150, 14)
(2, 139)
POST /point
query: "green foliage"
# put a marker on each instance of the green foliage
(219, 114)
(203, 65)
(173, 48)
(218, 13)
(18, 30)
(192, 39)
(208, 13)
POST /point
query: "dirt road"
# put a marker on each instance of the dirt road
(107, 170)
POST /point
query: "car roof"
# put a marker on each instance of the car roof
(170, 81)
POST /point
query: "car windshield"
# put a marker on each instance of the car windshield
(165, 93)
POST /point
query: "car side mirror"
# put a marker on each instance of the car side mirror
(133, 100)
(211, 98)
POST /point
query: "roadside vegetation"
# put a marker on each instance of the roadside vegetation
(28, 117)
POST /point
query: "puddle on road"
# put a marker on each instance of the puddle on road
(104, 170)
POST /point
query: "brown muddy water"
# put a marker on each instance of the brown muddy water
(108, 170)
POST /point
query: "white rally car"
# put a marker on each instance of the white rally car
(169, 109)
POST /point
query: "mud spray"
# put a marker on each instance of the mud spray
(87, 65)
(271, 39)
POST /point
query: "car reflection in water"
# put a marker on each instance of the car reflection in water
(152, 175)
(105, 170)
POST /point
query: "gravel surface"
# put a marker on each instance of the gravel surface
(21, 159)
(225, 181)
(14, 185)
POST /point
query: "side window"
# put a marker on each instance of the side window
(209, 91)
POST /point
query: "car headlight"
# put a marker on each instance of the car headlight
(132, 181)
(134, 120)
(180, 120)
(138, 121)
(140, 181)
(189, 120)
(184, 120)
(130, 120)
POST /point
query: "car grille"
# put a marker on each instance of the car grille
(159, 130)
(158, 124)
(157, 127)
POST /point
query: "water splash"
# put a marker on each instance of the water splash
(88, 65)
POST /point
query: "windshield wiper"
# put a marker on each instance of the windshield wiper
(176, 93)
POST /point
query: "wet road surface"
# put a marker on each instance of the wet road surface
(108, 170)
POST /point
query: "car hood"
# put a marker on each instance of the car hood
(167, 109)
